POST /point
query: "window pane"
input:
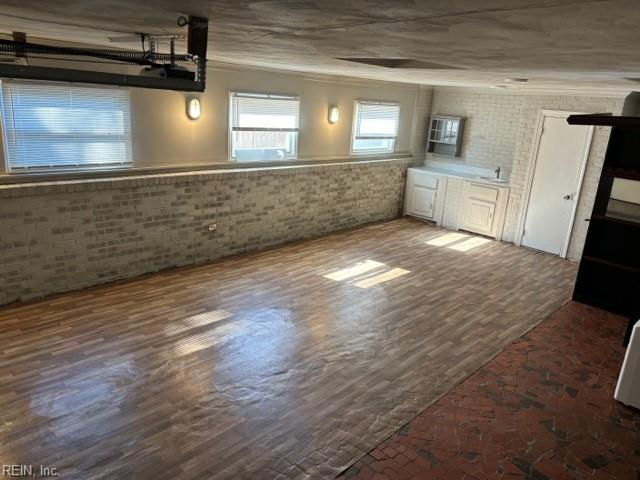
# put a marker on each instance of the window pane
(376, 127)
(264, 126)
(65, 125)
(261, 145)
(373, 145)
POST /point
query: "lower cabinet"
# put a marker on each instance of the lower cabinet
(483, 208)
(422, 201)
(479, 216)
(456, 203)
(424, 196)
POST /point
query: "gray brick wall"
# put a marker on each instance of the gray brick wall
(57, 237)
(499, 131)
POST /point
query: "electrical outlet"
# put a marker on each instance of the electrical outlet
(212, 227)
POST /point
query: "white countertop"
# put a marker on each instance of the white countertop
(459, 173)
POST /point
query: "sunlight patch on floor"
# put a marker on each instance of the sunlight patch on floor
(366, 274)
(200, 320)
(381, 278)
(354, 271)
(469, 244)
(446, 239)
(201, 341)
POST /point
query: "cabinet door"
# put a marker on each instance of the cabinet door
(423, 201)
(479, 216)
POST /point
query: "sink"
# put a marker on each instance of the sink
(493, 179)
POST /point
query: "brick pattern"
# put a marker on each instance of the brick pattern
(69, 235)
(490, 129)
(542, 409)
(272, 365)
(499, 131)
(451, 217)
(421, 124)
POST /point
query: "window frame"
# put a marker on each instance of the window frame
(354, 127)
(62, 169)
(230, 126)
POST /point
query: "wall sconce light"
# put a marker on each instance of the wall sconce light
(193, 108)
(334, 114)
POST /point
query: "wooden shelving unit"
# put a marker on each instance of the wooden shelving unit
(609, 273)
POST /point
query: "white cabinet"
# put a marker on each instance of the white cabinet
(422, 201)
(424, 196)
(483, 208)
(455, 202)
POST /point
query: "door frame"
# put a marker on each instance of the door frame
(533, 160)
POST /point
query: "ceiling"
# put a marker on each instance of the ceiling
(577, 44)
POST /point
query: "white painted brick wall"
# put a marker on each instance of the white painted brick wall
(421, 116)
(451, 216)
(499, 131)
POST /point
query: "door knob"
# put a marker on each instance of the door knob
(569, 196)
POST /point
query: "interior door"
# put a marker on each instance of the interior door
(556, 181)
(423, 201)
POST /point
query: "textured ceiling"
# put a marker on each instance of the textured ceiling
(590, 44)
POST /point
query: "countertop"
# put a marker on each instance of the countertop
(466, 175)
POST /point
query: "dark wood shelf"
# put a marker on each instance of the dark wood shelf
(611, 219)
(605, 120)
(622, 172)
(609, 273)
(609, 263)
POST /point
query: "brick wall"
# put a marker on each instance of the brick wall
(499, 131)
(421, 114)
(62, 236)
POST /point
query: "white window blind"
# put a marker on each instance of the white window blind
(51, 125)
(264, 126)
(375, 126)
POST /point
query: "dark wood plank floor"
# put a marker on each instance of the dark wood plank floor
(288, 363)
(542, 409)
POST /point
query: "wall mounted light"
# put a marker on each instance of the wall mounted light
(193, 108)
(334, 114)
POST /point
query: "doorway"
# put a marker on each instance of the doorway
(559, 160)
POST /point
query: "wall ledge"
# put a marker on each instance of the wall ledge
(12, 186)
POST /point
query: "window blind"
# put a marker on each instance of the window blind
(376, 120)
(264, 112)
(50, 125)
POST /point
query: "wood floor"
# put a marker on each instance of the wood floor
(288, 363)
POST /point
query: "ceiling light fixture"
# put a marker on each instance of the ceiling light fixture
(193, 108)
(334, 114)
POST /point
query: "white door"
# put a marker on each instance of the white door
(479, 216)
(559, 167)
(423, 201)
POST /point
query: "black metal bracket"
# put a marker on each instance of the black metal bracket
(170, 79)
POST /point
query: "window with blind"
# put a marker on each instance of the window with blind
(263, 126)
(49, 126)
(375, 127)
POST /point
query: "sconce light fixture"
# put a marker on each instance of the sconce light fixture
(193, 108)
(334, 114)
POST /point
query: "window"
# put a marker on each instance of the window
(263, 126)
(65, 126)
(375, 127)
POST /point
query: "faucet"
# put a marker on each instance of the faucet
(497, 172)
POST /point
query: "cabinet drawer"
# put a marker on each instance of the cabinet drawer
(482, 192)
(427, 180)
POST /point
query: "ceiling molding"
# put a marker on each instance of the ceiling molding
(528, 91)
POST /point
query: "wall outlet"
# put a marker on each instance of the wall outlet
(212, 227)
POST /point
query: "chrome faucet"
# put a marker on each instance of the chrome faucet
(497, 172)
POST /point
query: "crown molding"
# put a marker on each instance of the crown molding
(529, 91)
